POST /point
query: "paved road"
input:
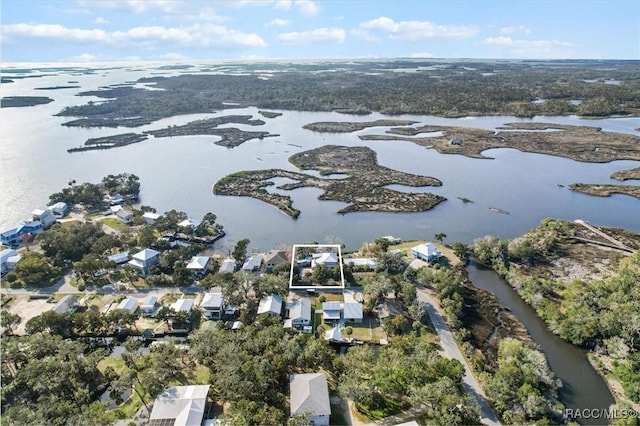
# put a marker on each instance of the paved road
(451, 350)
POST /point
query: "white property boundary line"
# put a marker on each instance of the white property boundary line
(316, 287)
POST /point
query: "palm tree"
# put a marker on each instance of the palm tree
(440, 236)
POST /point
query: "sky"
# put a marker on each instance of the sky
(182, 30)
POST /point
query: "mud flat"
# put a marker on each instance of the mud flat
(605, 190)
(580, 143)
(364, 188)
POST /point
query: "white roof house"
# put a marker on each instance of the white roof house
(333, 334)
(45, 216)
(253, 263)
(151, 217)
(331, 311)
(309, 394)
(144, 259)
(328, 259)
(198, 264)
(427, 252)
(212, 304)
(300, 312)
(125, 216)
(182, 305)
(149, 305)
(271, 305)
(119, 258)
(190, 223)
(361, 262)
(128, 305)
(59, 209)
(180, 406)
(228, 266)
(8, 260)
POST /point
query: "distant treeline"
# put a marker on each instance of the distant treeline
(451, 90)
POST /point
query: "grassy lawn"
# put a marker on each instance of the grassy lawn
(328, 297)
(114, 223)
(69, 223)
(368, 331)
(115, 363)
(391, 407)
(201, 375)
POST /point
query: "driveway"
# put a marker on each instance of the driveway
(451, 350)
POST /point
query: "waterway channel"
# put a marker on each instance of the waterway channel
(582, 387)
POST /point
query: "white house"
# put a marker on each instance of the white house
(8, 260)
(125, 216)
(330, 260)
(228, 266)
(270, 305)
(253, 264)
(180, 406)
(190, 223)
(333, 334)
(45, 216)
(149, 306)
(199, 265)
(212, 305)
(59, 209)
(426, 252)
(309, 394)
(299, 312)
(182, 305)
(331, 311)
(144, 260)
(128, 305)
(150, 218)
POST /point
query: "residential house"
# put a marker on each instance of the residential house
(362, 263)
(275, 258)
(334, 334)
(59, 209)
(65, 304)
(253, 264)
(270, 305)
(309, 394)
(330, 260)
(46, 217)
(331, 311)
(115, 209)
(114, 199)
(199, 265)
(8, 260)
(392, 239)
(183, 305)
(25, 232)
(190, 224)
(212, 305)
(352, 312)
(426, 252)
(180, 406)
(119, 258)
(228, 266)
(125, 216)
(149, 306)
(144, 260)
(128, 305)
(150, 218)
(299, 312)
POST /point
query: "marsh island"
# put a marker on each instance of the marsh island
(364, 188)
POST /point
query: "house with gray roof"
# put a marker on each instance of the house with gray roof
(199, 265)
(128, 305)
(125, 216)
(212, 305)
(228, 266)
(274, 258)
(331, 311)
(64, 304)
(309, 394)
(253, 264)
(144, 260)
(299, 312)
(180, 406)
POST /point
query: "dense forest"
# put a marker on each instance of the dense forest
(450, 89)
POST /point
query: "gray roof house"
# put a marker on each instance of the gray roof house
(228, 266)
(66, 303)
(271, 305)
(128, 305)
(309, 394)
(149, 306)
(329, 260)
(180, 406)
(274, 258)
(253, 263)
(144, 260)
(199, 265)
(352, 312)
(212, 305)
(119, 258)
(300, 312)
(331, 311)
(125, 216)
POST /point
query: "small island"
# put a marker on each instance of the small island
(23, 101)
(580, 143)
(269, 114)
(606, 190)
(58, 87)
(629, 174)
(349, 127)
(364, 188)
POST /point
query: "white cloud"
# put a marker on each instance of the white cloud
(307, 7)
(85, 57)
(319, 35)
(136, 6)
(515, 29)
(422, 55)
(198, 35)
(418, 30)
(283, 4)
(278, 23)
(530, 48)
(364, 35)
(100, 21)
(172, 56)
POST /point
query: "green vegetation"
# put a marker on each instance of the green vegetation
(444, 89)
(591, 312)
(627, 174)
(364, 189)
